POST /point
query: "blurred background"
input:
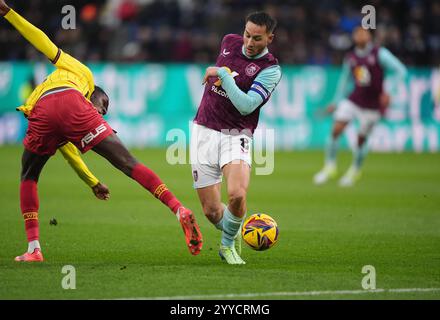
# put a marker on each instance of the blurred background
(150, 57)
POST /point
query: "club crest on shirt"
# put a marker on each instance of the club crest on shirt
(251, 69)
(371, 59)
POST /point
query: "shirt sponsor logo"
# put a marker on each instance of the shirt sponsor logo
(251, 69)
(219, 92)
(362, 76)
(92, 135)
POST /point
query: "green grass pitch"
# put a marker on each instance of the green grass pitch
(132, 246)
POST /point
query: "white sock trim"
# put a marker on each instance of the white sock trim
(32, 245)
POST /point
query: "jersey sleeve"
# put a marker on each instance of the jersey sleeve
(259, 93)
(72, 156)
(390, 63)
(42, 43)
(266, 81)
(227, 37)
(35, 36)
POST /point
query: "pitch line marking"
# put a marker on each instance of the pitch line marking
(285, 294)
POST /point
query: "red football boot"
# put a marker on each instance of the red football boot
(35, 256)
(193, 236)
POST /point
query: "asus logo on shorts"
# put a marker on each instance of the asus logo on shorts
(90, 136)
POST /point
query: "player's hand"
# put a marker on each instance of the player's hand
(4, 9)
(330, 109)
(384, 100)
(210, 72)
(101, 191)
(324, 112)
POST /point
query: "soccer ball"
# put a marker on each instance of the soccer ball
(260, 231)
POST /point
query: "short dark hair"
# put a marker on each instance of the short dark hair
(261, 18)
(99, 90)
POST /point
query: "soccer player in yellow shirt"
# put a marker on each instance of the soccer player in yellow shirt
(68, 107)
(72, 155)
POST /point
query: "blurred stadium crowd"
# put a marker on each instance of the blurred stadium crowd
(309, 32)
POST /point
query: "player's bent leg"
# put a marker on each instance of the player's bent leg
(214, 209)
(237, 176)
(367, 121)
(354, 173)
(339, 128)
(112, 149)
(210, 199)
(237, 190)
(117, 154)
(329, 171)
(32, 165)
(360, 152)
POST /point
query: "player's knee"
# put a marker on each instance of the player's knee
(361, 140)
(338, 129)
(30, 173)
(212, 210)
(237, 196)
(27, 175)
(127, 165)
(337, 132)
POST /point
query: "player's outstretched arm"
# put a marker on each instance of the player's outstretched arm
(31, 33)
(71, 154)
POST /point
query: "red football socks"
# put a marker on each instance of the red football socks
(29, 208)
(150, 181)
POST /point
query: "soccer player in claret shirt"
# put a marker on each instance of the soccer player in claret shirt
(367, 65)
(236, 89)
(68, 106)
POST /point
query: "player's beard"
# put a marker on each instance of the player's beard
(251, 52)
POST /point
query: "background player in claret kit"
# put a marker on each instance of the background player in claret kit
(68, 106)
(367, 65)
(236, 88)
